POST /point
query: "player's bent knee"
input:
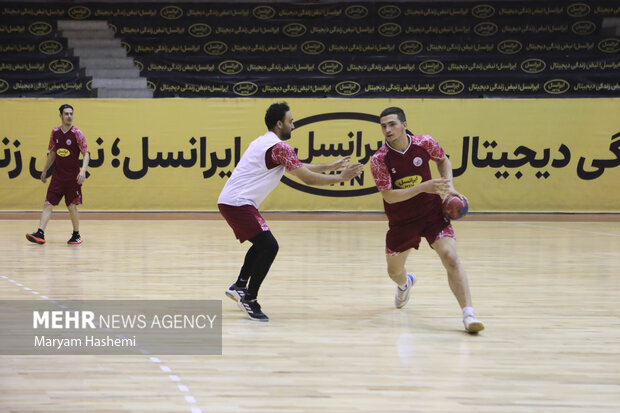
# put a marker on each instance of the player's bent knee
(273, 247)
(450, 261)
(267, 243)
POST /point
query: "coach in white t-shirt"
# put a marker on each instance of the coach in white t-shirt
(258, 173)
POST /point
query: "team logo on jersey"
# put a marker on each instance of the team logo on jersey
(417, 161)
(63, 152)
(408, 181)
(393, 170)
(68, 141)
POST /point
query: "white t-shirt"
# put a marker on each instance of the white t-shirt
(251, 181)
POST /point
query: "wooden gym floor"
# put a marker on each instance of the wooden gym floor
(548, 291)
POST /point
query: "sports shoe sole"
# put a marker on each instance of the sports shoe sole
(34, 239)
(475, 327)
(233, 295)
(74, 242)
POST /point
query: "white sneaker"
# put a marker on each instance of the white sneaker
(402, 296)
(472, 324)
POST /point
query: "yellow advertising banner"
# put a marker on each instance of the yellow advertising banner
(528, 155)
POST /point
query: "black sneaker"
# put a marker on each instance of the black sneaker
(236, 293)
(252, 308)
(36, 237)
(75, 239)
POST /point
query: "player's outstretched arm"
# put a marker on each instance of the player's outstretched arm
(317, 179)
(326, 167)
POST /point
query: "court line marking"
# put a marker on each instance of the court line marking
(174, 378)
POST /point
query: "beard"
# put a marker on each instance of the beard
(285, 136)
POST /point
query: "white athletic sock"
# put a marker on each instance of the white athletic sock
(468, 311)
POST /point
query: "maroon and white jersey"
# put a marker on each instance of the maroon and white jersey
(392, 169)
(67, 146)
(259, 171)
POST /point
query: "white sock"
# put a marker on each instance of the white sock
(403, 287)
(468, 311)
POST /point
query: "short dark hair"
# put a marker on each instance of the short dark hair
(63, 107)
(394, 111)
(275, 112)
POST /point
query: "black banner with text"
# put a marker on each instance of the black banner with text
(365, 49)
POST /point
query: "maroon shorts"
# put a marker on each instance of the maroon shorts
(71, 190)
(245, 221)
(401, 238)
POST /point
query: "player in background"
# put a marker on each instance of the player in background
(412, 202)
(258, 173)
(65, 145)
